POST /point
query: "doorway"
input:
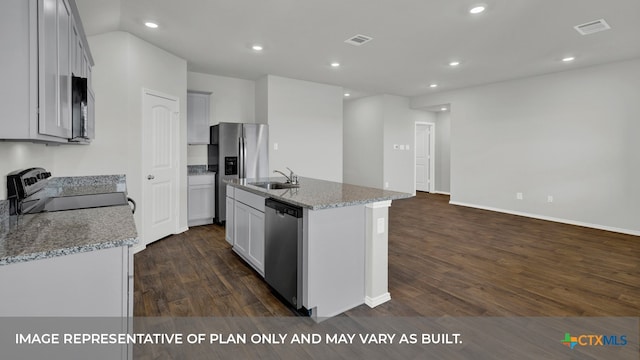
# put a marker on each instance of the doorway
(160, 163)
(424, 159)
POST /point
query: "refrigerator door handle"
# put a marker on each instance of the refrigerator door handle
(242, 156)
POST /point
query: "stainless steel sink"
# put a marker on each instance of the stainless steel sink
(274, 185)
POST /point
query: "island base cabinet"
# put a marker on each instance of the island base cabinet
(333, 263)
(245, 226)
(249, 235)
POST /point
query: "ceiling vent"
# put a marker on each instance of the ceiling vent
(358, 40)
(592, 27)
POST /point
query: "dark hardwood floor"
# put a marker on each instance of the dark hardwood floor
(444, 260)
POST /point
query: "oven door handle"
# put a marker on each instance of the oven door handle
(133, 210)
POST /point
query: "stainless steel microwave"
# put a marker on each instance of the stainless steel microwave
(79, 110)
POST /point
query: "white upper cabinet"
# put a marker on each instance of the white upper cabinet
(47, 47)
(54, 59)
(198, 118)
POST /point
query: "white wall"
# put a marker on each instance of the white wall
(399, 128)
(443, 152)
(572, 135)
(363, 141)
(305, 120)
(124, 65)
(373, 125)
(232, 100)
(22, 155)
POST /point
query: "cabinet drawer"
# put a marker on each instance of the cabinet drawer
(202, 179)
(231, 192)
(251, 199)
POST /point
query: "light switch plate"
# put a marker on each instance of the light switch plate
(275, 146)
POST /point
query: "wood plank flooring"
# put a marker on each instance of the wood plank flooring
(444, 260)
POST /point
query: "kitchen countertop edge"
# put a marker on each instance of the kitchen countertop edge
(67, 251)
(391, 195)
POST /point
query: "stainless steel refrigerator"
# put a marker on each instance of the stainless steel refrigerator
(236, 151)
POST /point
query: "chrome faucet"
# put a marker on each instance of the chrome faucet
(291, 179)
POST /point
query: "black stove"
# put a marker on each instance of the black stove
(22, 184)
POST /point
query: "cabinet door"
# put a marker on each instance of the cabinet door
(55, 69)
(230, 221)
(198, 118)
(77, 53)
(256, 240)
(242, 229)
(201, 202)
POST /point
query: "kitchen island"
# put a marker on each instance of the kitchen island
(344, 239)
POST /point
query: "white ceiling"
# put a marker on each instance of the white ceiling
(413, 40)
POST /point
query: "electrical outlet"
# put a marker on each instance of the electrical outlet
(401, 147)
(275, 146)
(519, 196)
(549, 198)
(407, 147)
(380, 229)
(386, 185)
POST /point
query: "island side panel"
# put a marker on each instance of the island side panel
(333, 260)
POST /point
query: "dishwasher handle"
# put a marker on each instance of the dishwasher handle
(284, 208)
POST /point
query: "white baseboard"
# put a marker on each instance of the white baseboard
(380, 299)
(181, 230)
(138, 247)
(442, 193)
(550, 218)
(199, 222)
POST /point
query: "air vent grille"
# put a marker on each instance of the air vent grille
(358, 40)
(592, 27)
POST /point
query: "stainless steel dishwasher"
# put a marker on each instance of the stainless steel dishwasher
(283, 250)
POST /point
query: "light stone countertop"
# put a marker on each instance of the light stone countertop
(318, 194)
(198, 170)
(50, 234)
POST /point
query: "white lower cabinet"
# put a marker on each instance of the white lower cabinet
(248, 227)
(229, 225)
(202, 194)
(93, 283)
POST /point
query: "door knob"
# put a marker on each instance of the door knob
(150, 177)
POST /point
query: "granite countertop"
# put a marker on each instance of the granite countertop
(318, 194)
(50, 234)
(198, 170)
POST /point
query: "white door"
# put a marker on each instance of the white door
(159, 165)
(424, 158)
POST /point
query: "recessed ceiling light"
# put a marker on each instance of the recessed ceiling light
(151, 25)
(433, 85)
(347, 94)
(477, 9)
(454, 63)
(335, 64)
(257, 47)
(443, 109)
(568, 59)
